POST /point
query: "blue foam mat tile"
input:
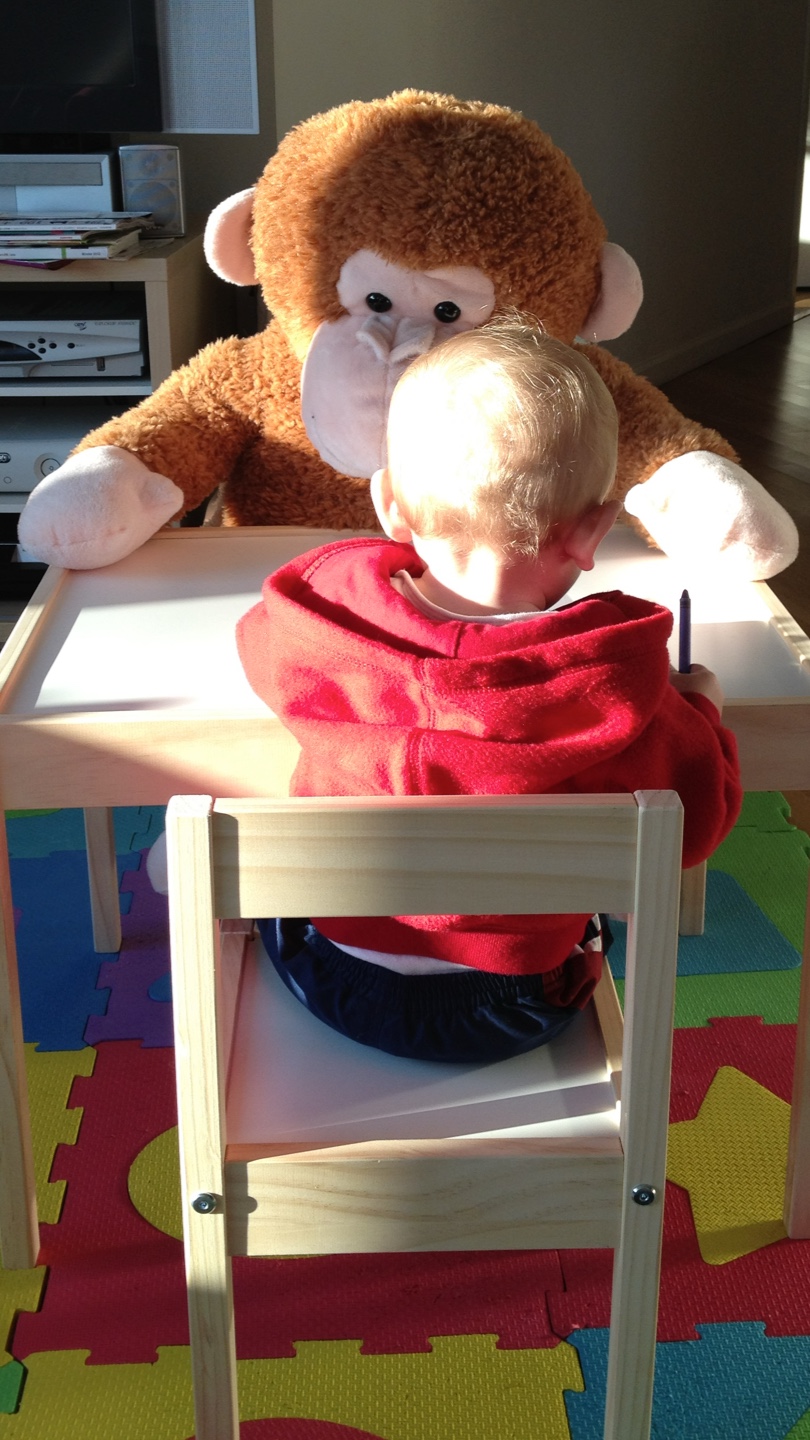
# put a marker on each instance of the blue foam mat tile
(58, 965)
(733, 1383)
(138, 826)
(141, 967)
(737, 936)
(161, 990)
(32, 837)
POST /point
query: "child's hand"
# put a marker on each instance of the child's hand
(699, 681)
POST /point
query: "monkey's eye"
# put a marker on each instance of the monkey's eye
(378, 303)
(447, 311)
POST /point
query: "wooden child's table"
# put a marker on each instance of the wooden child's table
(122, 686)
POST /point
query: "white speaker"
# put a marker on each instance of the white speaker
(150, 180)
(208, 78)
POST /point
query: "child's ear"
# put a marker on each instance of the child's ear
(581, 540)
(387, 509)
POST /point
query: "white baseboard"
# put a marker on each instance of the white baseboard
(668, 364)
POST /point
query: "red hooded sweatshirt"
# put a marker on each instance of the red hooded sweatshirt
(385, 701)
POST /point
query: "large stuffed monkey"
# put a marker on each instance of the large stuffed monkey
(377, 230)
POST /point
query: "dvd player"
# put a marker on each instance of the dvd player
(66, 338)
(70, 347)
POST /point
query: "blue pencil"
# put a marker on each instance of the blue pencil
(685, 635)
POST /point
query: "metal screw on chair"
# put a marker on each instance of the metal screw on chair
(644, 1194)
(205, 1203)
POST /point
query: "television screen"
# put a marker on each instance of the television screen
(78, 66)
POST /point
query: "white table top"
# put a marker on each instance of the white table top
(155, 632)
(732, 624)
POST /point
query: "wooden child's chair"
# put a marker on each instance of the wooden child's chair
(295, 1140)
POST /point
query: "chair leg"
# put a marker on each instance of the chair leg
(211, 1327)
(102, 873)
(693, 900)
(19, 1232)
(633, 1322)
(647, 1059)
(201, 1116)
(797, 1184)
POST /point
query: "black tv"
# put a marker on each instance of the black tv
(78, 67)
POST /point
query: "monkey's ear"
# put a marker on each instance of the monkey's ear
(619, 298)
(227, 239)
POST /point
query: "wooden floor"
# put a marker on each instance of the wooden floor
(758, 397)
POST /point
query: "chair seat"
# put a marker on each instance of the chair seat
(294, 1079)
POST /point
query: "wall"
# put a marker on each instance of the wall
(686, 119)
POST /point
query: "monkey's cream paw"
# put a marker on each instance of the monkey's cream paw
(702, 509)
(95, 509)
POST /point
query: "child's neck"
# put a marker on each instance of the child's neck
(481, 583)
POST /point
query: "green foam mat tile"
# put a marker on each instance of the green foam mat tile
(12, 1379)
(765, 810)
(773, 994)
(772, 867)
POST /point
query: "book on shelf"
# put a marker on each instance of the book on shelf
(47, 252)
(66, 237)
(39, 264)
(98, 222)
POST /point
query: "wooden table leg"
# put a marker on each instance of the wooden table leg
(797, 1182)
(102, 872)
(19, 1232)
(693, 900)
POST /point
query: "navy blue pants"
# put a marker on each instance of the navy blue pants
(470, 1017)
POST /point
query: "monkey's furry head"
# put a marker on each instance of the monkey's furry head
(425, 181)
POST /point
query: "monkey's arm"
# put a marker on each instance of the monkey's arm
(683, 487)
(135, 473)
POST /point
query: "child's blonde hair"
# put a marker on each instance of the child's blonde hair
(499, 436)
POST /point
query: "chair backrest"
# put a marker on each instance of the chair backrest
(421, 855)
(382, 855)
(385, 855)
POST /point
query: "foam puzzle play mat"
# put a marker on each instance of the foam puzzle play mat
(508, 1345)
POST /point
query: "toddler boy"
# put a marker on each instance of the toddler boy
(435, 662)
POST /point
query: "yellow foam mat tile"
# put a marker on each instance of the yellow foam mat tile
(732, 1159)
(154, 1183)
(50, 1077)
(66, 1399)
(465, 1388)
(19, 1290)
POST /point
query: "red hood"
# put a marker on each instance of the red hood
(445, 707)
(387, 701)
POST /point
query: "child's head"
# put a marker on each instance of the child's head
(499, 437)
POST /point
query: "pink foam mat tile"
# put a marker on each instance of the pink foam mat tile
(772, 1285)
(395, 1302)
(116, 1285)
(764, 1052)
